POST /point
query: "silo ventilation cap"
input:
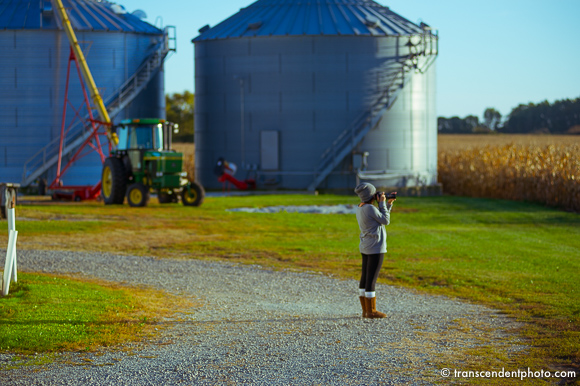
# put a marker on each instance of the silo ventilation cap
(255, 25)
(372, 21)
(118, 9)
(140, 14)
(203, 29)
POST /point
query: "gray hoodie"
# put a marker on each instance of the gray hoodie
(373, 236)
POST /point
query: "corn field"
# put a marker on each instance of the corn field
(188, 150)
(548, 173)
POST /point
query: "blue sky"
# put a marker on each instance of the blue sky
(493, 53)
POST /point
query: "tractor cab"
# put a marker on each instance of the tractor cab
(138, 138)
(143, 161)
(152, 134)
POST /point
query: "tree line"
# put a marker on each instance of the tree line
(560, 117)
(179, 109)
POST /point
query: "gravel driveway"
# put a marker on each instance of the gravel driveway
(264, 327)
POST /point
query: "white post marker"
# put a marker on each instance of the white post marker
(11, 266)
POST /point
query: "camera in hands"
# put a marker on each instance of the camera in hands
(389, 196)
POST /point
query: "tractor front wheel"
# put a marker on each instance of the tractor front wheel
(194, 195)
(113, 181)
(137, 195)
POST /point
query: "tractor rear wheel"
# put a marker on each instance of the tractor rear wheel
(137, 195)
(194, 196)
(113, 181)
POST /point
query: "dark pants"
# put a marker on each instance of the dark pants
(371, 265)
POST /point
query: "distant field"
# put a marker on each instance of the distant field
(464, 141)
(188, 150)
(536, 168)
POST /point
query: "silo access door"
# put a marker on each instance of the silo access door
(269, 150)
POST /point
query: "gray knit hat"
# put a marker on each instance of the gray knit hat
(365, 191)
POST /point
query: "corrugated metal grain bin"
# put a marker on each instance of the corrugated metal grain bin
(302, 91)
(33, 66)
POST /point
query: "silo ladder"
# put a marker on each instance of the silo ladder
(396, 79)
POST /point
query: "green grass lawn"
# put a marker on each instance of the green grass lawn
(45, 313)
(518, 257)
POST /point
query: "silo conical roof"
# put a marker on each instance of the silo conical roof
(85, 15)
(311, 17)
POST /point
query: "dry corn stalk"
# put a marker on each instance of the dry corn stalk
(546, 174)
(188, 150)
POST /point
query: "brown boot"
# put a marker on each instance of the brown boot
(372, 312)
(364, 306)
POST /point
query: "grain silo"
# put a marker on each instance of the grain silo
(125, 55)
(317, 94)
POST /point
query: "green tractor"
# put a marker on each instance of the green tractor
(143, 161)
